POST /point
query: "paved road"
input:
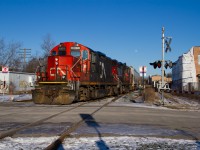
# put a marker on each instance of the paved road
(111, 120)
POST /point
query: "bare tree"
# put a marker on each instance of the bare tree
(2, 51)
(32, 65)
(169, 75)
(47, 45)
(8, 55)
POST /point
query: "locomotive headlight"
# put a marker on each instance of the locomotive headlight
(39, 77)
(64, 77)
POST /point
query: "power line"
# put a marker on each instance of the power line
(25, 53)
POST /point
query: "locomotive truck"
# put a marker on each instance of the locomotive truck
(75, 72)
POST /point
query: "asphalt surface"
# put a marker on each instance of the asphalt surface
(117, 119)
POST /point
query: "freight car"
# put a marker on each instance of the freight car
(75, 72)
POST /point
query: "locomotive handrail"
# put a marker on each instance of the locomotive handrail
(74, 66)
(117, 78)
(53, 82)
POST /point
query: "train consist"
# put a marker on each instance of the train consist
(75, 72)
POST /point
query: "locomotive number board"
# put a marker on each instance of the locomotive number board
(75, 48)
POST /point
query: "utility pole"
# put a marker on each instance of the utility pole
(25, 53)
(143, 70)
(163, 61)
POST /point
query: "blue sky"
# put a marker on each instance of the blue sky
(126, 30)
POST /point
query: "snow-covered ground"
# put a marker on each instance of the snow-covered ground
(10, 98)
(99, 143)
(170, 102)
(184, 103)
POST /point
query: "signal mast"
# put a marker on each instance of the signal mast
(162, 63)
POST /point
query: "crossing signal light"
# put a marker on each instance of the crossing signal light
(156, 64)
(166, 65)
(159, 64)
(169, 64)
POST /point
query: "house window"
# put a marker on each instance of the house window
(199, 59)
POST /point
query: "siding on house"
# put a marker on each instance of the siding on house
(12, 82)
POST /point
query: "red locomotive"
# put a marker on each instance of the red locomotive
(77, 73)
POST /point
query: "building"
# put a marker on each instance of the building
(186, 71)
(156, 78)
(12, 82)
(197, 62)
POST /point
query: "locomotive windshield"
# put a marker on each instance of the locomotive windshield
(75, 51)
(62, 51)
(53, 53)
(85, 55)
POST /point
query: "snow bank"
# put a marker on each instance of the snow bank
(96, 143)
(8, 98)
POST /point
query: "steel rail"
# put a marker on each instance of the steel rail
(11, 132)
(65, 134)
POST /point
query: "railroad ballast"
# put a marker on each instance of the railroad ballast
(75, 72)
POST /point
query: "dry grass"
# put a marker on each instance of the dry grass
(190, 96)
(150, 95)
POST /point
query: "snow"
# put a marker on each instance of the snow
(125, 129)
(99, 143)
(9, 98)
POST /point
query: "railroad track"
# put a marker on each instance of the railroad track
(65, 134)
(11, 132)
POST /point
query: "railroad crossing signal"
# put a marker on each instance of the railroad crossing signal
(166, 65)
(169, 64)
(156, 64)
(159, 64)
(168, 42)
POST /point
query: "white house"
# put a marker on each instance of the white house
(186, 71)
